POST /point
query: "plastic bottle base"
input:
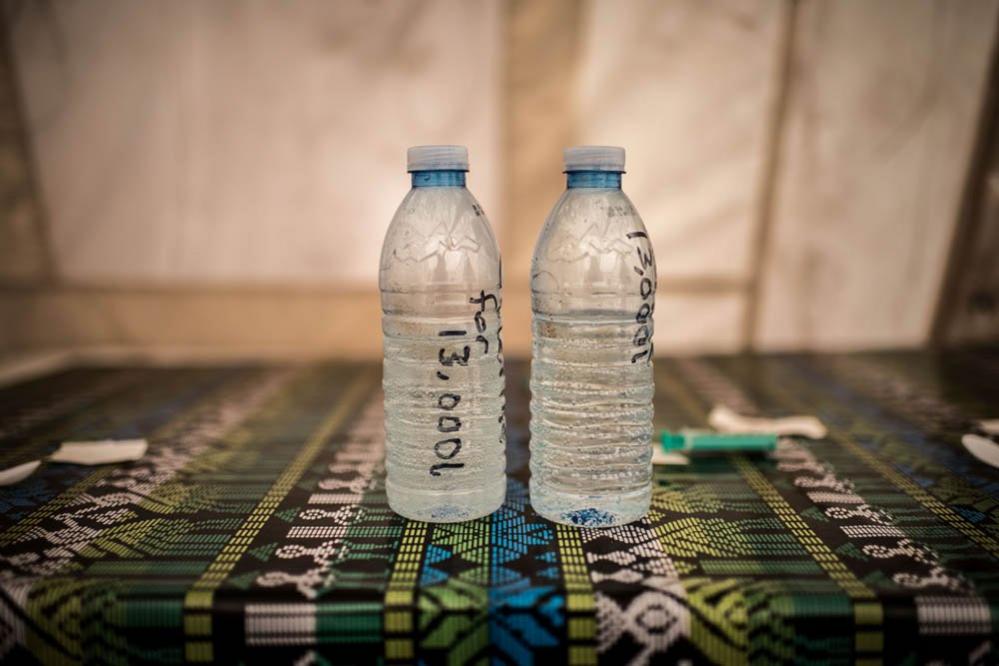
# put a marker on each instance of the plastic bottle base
(436, 507)
(585, 510)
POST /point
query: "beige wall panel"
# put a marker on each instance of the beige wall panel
(699, 322)
(219, 323)
(248, 141)
(687, 88)
(23, 255)
(882, 109)
(283, 323)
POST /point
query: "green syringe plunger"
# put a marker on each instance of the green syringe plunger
(708, 441)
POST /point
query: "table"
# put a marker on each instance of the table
(255, 529)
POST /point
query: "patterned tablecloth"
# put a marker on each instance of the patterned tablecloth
(256, 528)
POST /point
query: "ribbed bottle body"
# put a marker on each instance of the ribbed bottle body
(593, 287)
(443, 377)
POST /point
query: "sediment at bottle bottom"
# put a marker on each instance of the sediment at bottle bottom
(590, 510)
(452, 507)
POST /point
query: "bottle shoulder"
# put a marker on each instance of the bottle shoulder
(439, 237)
(591, 242)
(588, 220)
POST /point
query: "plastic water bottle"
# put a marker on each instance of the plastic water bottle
(440, 280)
(593, 287)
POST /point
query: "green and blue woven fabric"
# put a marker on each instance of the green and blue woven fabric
(256, 529)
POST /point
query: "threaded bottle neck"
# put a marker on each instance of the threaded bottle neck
(594, 179)
(439, 178)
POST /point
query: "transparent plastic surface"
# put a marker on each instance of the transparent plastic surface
(593, 283)
(440, 282)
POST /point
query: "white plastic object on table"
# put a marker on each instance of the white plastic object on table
(100, 452)
(982, 448)
(724, 419)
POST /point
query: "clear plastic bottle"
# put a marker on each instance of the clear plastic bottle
(593, 288)
(440, 280)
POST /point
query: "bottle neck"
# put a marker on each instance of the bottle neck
(604, 179)
(438, 178)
